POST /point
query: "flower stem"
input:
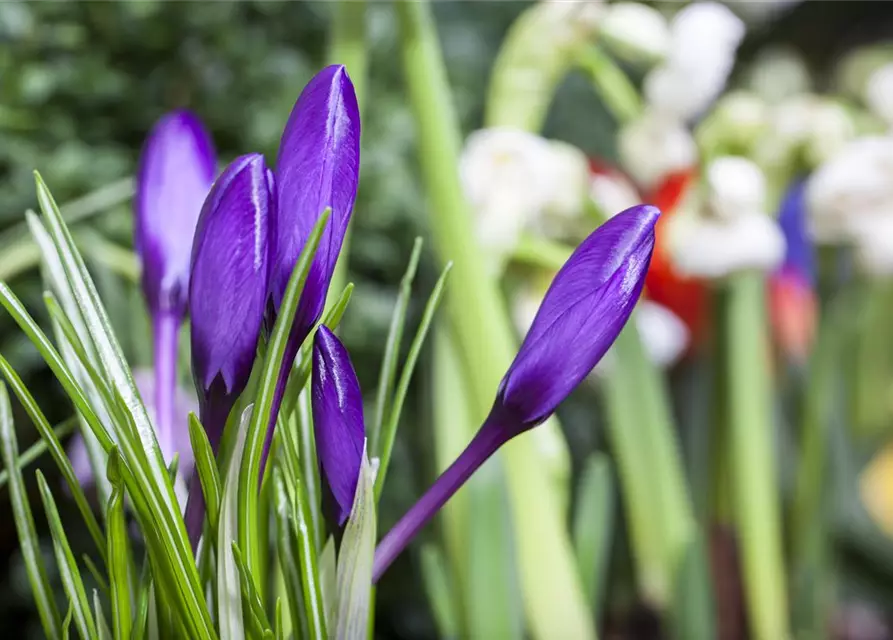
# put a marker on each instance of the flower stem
(165, 328)
(482, 446)
(754, 478)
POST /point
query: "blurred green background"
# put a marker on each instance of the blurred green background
(82, 82)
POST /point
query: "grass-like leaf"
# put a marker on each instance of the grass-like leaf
(68, 569)
(119, 558)
(56, 451)
(229, 596)
(102, 627)
(208, 475)
(593, 525)
(286, 546)
(32, 453)
(101, 582)
(24, 522)
(249, 476)
(440, 592)
(392, 350)
(354, 568)
(389, 431)
(250, 597)
(150, 488)
(143, 596)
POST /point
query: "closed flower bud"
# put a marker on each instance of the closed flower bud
(227, 297)
(176, 169)
(581, 315)
(337, 422)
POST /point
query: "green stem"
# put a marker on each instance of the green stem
(754, 482)
(616, 90)
(549, 580)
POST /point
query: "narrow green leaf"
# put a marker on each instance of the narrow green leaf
(155, 503)
(209, 476)
(593, 526)
(24, 522)
(101, 582)
(140, 621)
(388, 371)
(68, 569)
(390, 428)
(439, 591)
(354, 570)
(250, 596)
(328, 579)
(288, 558)
(32, 453)
(311, 573)
(102, 627)
(229, 596)
(56, 451)
(249, 476)
(280, 621)
(66, 624)
(119, 558)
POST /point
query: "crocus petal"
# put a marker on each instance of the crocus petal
(318, 167)
(176, 170)
(229, 274)
(337, 420)
(583, 311)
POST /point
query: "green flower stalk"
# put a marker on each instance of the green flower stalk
(549, 580)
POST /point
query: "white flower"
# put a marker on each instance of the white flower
(736, 187)
(712, 248)
(879, 93)
(779, 73)
(507, 177)
(854, 185)
(655, 145)
(874, 246)
(569, 173)
(815, 126)
(613, 193)
(704, 37)
(635, 31)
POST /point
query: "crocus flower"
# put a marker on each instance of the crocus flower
(184, 403)
(176, 169)
(337, 422)
(318, 168)
(587, 305)
(792, 301)
(227, 297)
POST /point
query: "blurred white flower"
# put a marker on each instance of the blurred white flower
(655, 145)
(874, 246)
(712, 248)
(569, 172)
(879, 93)
(854, 186)
(613, 193)
(507, 175)
(635, 32)
(779, 73)
(703, 39)
(736, 187)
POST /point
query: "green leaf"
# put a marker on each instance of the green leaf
(390, 428)
(354, 568)
(102, 627)
(280, 620)
(328, 579)
(440, 592)
(288, 556)
(249, 476)
(68, 569)
(155, 503)
(24, 522)
(32, 453)
(593, 526)
(209, 476)
(66, 624)
(392, 351)
(229, 596)
(101, 582)
(56, 451)
(119, 558)
(250, 596)
(140, 622)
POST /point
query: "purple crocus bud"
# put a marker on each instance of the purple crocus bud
(227, 297)
(176, 169)
(337, 422)
(318, 168)
(583, 312)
